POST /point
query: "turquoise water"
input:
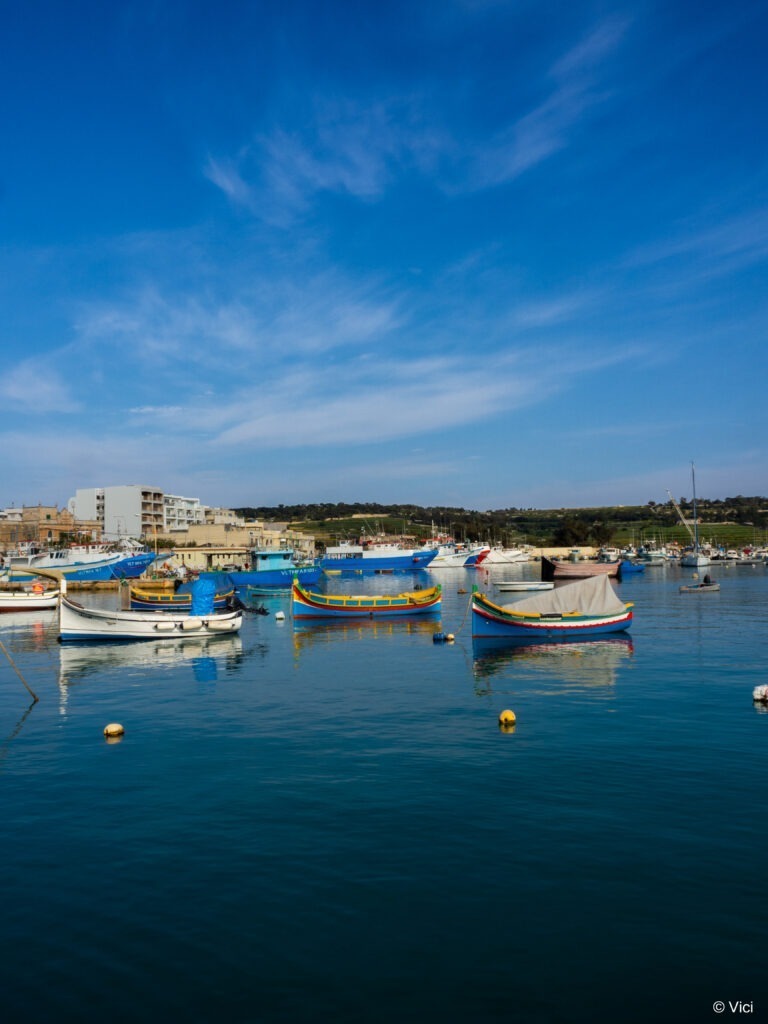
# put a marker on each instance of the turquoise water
(328, 824)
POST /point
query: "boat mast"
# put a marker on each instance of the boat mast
(695, 517)
(682, 518)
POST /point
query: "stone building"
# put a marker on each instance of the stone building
(45, 526)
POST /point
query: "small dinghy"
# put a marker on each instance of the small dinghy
(522, 585)
(707, 586)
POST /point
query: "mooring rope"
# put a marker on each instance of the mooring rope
(18, 673)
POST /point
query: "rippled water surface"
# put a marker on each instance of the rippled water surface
(327, 823)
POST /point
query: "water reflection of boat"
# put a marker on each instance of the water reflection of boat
(29, 630)
(590, 663)
(27, 619)
(308, 633)
(81, 660)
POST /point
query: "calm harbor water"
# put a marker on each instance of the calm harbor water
(327, 823)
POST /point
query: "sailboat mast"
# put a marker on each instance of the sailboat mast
(695, 516)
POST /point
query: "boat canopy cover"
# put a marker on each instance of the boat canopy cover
(591, 596)
(203, 594)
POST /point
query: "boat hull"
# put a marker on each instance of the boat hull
(79, 623)
(694, 560)
(491, 620)
(132, 566)
(12, 602)
(504, 585)
(367, 561)
(551, 570)
(94, 572)
(308, 605)
(307, 574)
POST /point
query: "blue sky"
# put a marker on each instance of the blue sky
(467, 253)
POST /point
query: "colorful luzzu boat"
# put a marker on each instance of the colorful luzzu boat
(150, 600)
(589, 607)
(308, 605)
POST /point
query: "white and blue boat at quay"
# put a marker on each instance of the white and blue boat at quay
(274, 568)
(75, 564)
(82, 564)
(457, 556)
(376, 558)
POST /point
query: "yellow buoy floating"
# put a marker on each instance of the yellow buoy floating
(507, 718)
(113, 729)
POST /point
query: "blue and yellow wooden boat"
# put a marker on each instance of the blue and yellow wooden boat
(309, 605)
(143, 599)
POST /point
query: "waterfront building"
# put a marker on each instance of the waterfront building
(130, 510)
(134, 510)
(45, 526)
(180, 513)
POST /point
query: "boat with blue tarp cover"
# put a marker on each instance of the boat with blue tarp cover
(81, 623)
(143, 598)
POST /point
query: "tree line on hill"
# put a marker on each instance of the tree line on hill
(561, 527)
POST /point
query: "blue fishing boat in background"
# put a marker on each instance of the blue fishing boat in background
(271, 567)
(375, 558)
(628, 566)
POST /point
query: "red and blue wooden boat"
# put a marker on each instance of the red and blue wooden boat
(588, 607)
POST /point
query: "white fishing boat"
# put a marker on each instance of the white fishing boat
(456, 556)
(506, 556)
(76, 563)
(28, 600)
(76, 622)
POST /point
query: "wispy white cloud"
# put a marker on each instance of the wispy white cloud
(548, 128)
(548, 312)
(721, 248)
(225, 175)
(359, 149)
(350, 148)
(33, 386)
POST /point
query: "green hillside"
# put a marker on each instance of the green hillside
(731, 522)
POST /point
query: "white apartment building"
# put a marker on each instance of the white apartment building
(130, 510)
(181, 513)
